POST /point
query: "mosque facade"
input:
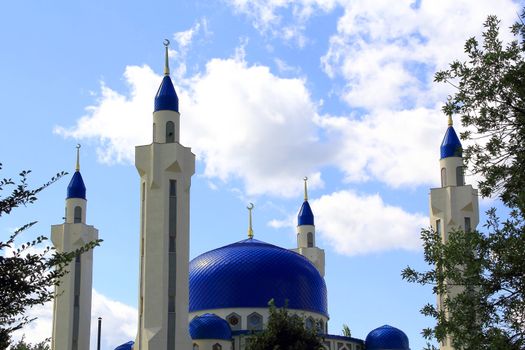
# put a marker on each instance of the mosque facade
(219, 299)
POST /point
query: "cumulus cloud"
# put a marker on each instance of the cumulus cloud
(119, 323)
(356, 224)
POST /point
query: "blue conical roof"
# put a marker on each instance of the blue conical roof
(76, 187)
(451, 146)
(305, 216)
(166, 98)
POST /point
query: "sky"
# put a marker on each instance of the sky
(270, 91)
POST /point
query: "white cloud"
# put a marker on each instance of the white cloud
(359, 224)
(119, 323)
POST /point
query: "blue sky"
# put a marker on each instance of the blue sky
(270, 91)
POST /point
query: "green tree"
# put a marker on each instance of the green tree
(27, 271)
(22, 345)
(489, 313)
(490, 98)
(346, 331)
(285, 332)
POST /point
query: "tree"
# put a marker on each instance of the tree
(22, 345)
(346, 331)
(490, 98)
(489, 312)
(285, 332)
(27, 272)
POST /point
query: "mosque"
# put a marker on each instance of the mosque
(219, 299)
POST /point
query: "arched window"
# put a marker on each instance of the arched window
(309, 323)
(460, 176)
(309, 239)
(443, 177)
(154, 132)
(195, 346)
(234, 321)
(216, 346)
(255, 322)
(170, 132)
(77, 217)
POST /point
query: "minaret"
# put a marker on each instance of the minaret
(72, 304)
(306, 234)
(165, 168)
(454, 205)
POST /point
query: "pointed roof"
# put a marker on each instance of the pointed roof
(451, 146)
(305, 216)
(76, 187)
(166, 98)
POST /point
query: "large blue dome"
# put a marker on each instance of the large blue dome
(250, 273)
(387, 338)
(210, 326)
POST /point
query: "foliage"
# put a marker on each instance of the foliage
(285, 332)
(27, 272)
(346, 331)
(490, 98)
(22, 345)
(489, 311)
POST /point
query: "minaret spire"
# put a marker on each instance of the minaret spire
(250, 229)
(166, 63)
(77, 168)
(305, 188)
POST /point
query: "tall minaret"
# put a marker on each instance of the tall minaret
(454, 205)
(165, 168)
(306, 234)
(72, 305)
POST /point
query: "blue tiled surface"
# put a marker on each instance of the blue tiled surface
(166, 98)
(387, 338)
(210, 326)
(76, 187)
(250, 273)
(305, 216)
(451, 146)
(126, 346)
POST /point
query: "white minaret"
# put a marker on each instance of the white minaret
(306, 234)
(165, 168)
(453, 205)
(72, 305)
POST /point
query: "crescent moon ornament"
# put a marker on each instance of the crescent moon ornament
(166, 42)
(250, 206)
(79, 145)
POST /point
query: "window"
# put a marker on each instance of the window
(234, 321)
(467, 224)
(438, 226)
(170, 132)
(255, 322)
(195, 346)
(443, 177)
(460, 176)
(77, 218)
(309, 323)
(154, 132)
(309, 239)
(216, 346)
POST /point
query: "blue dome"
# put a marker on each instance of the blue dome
(250, 273)
(76, 187)
(126, 346)
(387, 338)
(451, 146)
(305, 216)
(210, 326)
(166, 98)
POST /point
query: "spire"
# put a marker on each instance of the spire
(250, 229)
(166, 63)
(305, 188)
(305, 216)
(166, 98)
(76, 187)
(77, 168)
(450, 146)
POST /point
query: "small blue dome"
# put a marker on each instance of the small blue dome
(166, 98)
(210, 326)
(387, 338)
(451, 146)
(126, 346)
(305, 216)
(76, 187)
(250, 273)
